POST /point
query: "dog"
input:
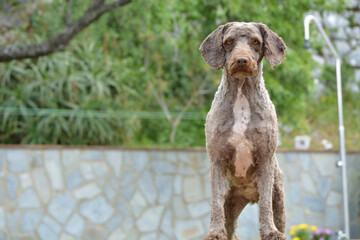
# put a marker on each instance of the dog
(242, 132)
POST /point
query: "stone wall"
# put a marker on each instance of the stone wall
(344, 32)
(101, 193)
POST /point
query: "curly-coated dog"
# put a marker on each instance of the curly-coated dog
(242, 131)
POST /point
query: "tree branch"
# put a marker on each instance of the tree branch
(59, 41)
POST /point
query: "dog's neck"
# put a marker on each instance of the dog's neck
(245, 83)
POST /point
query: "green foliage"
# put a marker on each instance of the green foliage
(143, 57)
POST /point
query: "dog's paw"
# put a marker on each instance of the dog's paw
(273, 235)
(215, 236)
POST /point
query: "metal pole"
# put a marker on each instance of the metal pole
(342, 162)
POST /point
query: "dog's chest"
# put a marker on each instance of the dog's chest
(243, 156)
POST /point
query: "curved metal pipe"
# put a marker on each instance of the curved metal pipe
(341, 129)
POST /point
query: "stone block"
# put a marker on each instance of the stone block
(188, 229)
(140, 160)
(147, 186)
(323, 187)
(164, 237)
(159, 167)
(353, 58)
(334, 20)
(297, 216)
(54, 169)
(75, 226)
(3, 193)
(138, 203)
(192, 189)
(199, 209)
(305, 159)
(86, 192)
(166, 223)
(127, 192)
(16, 160)
(156, 155)
(316, 219)
(62, 206)
(292, 172)
(70, 158)
(114, 222)
(87, 171)
(127, 177)
(179, 208)
(114, 159)
(109, 193)
(2, 218)
(164, 186)
(74, 180)
(92, 155)
(12, 183)
(314, 203)
(128, 224)
(149, 236)
(332, 216)
(12, 220)
(65, 236)
(97, 210)
(101, 170)
(28, 199)
(123, 208)
(333, 199)
(325, 163)
(41, 185)
(171, 156)
(178, 184)
(49, 229)
(150, 219)
(117, 234)
(307, 183)
(294, 193)
(342, 47)
(95, 232)
(34, 158)
(30, 219)
(25, 180)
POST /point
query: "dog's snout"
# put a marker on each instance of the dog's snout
(242, 61)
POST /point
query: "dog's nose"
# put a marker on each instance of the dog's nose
(242, 61)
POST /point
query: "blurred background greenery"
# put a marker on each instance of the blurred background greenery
(135, 77)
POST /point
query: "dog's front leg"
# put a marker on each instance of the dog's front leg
(219, 190)
(265, 178)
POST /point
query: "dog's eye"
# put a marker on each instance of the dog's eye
(256, 42)
(229, 42)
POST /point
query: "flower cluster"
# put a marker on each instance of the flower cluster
(302, 231)
(321, 234)
(306, 232)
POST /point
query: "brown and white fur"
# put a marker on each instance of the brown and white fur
(242, 132)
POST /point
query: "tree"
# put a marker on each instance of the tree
(59, 42)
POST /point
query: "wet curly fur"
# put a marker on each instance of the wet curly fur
(241, 130)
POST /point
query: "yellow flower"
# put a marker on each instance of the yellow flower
(292, 233)
(313, 228)
(303, 226)
(296, 238)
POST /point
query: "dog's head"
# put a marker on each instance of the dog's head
(240, 48)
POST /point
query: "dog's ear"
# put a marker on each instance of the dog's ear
(212, 49)
(274, 46)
